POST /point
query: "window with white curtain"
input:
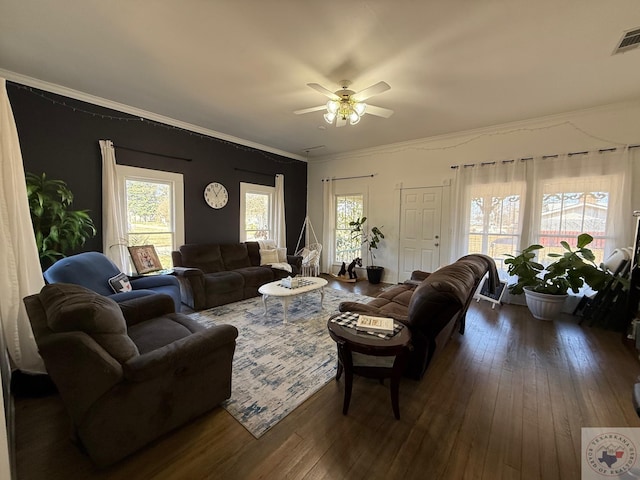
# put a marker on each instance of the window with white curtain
(348, 209)
(507, 206)
(153, 202)
(572, 206)
(256, 212)
(494, 219)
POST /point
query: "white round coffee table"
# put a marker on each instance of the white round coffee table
(275, 289)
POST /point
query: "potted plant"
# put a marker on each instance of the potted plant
(372, 238)
(546, 288)
(57, 228)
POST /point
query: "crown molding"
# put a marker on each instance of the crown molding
(488, 130)
(121, 107)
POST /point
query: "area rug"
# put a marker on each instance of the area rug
(276, 367)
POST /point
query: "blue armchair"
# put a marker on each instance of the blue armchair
(93, 270)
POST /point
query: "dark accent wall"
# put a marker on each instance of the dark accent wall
(59, 136)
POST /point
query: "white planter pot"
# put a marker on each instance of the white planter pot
(544, 306)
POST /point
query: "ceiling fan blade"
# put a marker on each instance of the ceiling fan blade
(341, 121)
(310, 109)
(319, 88)
(371, 91)
(378, 111)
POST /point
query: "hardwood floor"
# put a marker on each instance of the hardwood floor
(505, 400)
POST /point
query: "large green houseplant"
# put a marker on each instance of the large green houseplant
(549, 285)
(57, 228)
(372, 239)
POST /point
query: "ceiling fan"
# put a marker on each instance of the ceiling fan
(346, 104)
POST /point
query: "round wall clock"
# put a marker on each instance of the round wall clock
(216, 195)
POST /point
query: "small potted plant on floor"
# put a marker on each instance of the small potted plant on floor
(372, 238)
(546, 288)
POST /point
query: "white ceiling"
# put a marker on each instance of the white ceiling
(240, 67)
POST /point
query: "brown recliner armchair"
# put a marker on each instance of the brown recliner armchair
(130, 372)
(431, 305)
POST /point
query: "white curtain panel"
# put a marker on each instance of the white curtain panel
(484, 181)
(607, 171)
(20, 273)
(114, 242)
(328, 225)
(530, 181)
(280, 228)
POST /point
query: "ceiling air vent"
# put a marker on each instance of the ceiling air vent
(630, 40)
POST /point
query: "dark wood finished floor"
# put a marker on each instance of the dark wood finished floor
(506, 400)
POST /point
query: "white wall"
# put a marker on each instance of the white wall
(427, 162)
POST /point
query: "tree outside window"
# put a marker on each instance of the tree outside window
(348, 208)
(149, 217)
(256, 212)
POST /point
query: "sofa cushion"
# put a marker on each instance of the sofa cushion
(74, 308)
(235, 256)
(256, 276)
(206, 257)
(223, 282)
(161, 331)
(253, 249)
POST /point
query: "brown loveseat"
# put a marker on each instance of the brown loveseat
(217, 274)
(431, 305)
(128, 373)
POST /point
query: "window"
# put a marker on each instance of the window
(562, 209)
(153, 202)
(570, 207)
(494, 225)
(507, 206)
(256, 212)
(348, 208)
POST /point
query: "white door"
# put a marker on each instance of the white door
(421, 215)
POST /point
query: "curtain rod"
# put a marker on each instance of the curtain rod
(152, 153)
(555, 155)
(257, 173)
(349, 178)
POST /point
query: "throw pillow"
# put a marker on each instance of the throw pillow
(120, 283)
(282, 255)
(267, 257)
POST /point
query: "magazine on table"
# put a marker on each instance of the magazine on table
(375, 324)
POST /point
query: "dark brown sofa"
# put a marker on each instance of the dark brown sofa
(217, 274)
(431, 305)
(128, 373)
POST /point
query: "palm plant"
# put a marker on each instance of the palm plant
(57, 228)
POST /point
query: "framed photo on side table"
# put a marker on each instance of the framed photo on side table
(145, 259)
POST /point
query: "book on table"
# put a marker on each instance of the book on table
(374, 324)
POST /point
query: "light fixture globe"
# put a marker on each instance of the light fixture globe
(329, 117)
(333, 106)
(359, 108)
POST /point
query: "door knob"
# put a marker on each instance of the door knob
(437, 236)
(437, 244)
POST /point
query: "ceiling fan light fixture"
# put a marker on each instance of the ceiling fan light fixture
(346, 105)
(329, 117)
(359, 108)
(333, 106)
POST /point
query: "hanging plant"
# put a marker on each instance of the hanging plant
(57, 228)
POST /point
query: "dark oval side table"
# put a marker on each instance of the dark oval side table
(350, 340)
